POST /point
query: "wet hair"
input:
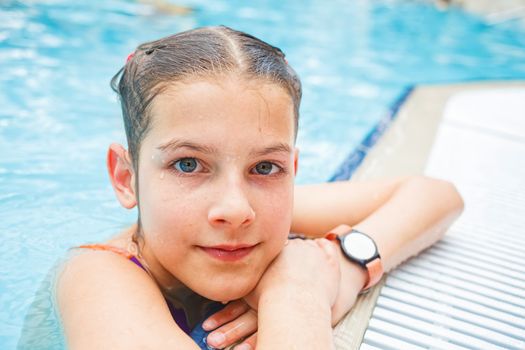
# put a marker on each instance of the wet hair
(203, 53)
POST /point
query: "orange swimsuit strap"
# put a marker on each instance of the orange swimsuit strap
(108, 247)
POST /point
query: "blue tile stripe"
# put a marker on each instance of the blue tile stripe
(354, 159)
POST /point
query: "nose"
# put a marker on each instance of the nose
(232, 208)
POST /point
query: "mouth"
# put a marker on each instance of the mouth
(229, 253)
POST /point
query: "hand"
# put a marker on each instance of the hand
(238, 320)
(304, 267)
(234, 322)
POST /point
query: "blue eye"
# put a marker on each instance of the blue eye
(266, 168)
(186, 165)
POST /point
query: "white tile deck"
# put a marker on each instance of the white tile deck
(468, 291)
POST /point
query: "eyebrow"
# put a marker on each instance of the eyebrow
(277, 148)
(176, 143)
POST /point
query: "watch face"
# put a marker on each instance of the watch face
(359, 246)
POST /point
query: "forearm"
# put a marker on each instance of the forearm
(293, 320)
(416, 216)
(319, 208)
(403, 215)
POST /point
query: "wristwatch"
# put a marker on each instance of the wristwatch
(359, 248)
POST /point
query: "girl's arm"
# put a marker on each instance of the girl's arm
(295, 295)
(403, 215)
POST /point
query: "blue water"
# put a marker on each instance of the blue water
(57, 113)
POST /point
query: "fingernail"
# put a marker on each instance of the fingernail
(243, 346)
(208, 325)
(216, 338)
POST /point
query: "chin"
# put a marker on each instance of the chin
(232, 290)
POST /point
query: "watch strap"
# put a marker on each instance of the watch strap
(375, 272)
(338, 231)
(374, 267)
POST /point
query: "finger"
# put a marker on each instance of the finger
(227, 314)
(248, 343)
(232, 332)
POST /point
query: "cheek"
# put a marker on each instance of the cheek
(276, 206)
(167, 205)
(275, 218)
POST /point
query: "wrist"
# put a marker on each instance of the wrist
(290, 317)
(359, 248)
(353, 276)
(293, 295)
(353, 279)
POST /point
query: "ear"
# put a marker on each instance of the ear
(295, 161)
(122, 175)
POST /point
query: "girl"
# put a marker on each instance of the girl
(211, 120)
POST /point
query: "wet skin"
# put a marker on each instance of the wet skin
(215, 184)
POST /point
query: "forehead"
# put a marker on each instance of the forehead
(228, 107)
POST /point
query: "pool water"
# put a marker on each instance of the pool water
(58, 114)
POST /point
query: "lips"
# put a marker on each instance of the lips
(229, 253)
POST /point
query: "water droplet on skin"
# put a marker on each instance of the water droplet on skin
(161, 176)
(158, 158)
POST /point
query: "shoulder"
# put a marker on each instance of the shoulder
(106, 301)
(95, 271)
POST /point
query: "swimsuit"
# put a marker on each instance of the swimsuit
(197, 333)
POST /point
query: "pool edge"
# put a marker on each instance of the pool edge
(403, 150)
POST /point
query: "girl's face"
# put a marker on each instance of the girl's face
(215, 183)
